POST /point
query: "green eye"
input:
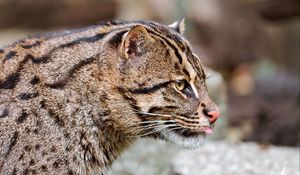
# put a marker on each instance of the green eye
(180, 84)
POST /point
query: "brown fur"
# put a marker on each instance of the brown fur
(71, 102)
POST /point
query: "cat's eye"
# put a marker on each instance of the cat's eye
(180, 84)
(184, 87)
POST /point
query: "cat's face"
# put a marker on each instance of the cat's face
(165, 84)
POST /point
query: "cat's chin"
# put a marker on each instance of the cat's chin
(190, 142)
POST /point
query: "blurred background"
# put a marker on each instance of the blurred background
(251, 48)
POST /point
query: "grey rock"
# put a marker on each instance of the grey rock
(237, 159)
(155, 157)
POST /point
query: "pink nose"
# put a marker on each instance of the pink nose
(213, 116)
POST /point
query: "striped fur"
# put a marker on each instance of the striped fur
(71, 102)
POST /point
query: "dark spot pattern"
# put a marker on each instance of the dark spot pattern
(11, 81)
(36, 131)
(34, 80)
(31, 162)
(27, 148)
(55, 164)
(176, 66)
(52, 149)
(12, 143)
(37, 60)
(27, 96)
(14, 171)
(37, 147)
(74, 158)
(44, 168)
(56, 118)
(26, 171)
(70, 172)
(10, 55)
(21, 157)
(29, 46)
(44, 153)
(43, 104)
(57, 85)
(3, 113)
(27, 130)
(22, 117)
(42, 59)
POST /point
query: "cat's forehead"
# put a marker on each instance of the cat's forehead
(170, 33)
(183, 49)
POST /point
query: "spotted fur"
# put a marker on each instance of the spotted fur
(71, 102)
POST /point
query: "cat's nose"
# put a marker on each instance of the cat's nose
(212, 115)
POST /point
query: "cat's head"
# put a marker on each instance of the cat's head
(164, 82)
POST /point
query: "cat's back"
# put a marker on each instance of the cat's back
(33, 74)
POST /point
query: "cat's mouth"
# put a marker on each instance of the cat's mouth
(186, 137)
(203, 127)
(184, 131)
(191, 133)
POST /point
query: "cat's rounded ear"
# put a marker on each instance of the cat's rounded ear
(178, 26)
(134, 40)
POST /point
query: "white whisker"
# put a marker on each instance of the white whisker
(156, 121)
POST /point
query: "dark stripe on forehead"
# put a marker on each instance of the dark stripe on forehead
(164, 33)
(165, 30)
(170, 44)
(196, 63)
(186, 72)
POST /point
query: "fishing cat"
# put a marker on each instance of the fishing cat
(71, 102)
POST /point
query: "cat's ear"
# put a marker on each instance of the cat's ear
(134, 40)
(178, 26)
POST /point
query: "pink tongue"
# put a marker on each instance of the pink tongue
(208, 130)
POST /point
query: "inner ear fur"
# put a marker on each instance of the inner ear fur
(134, 40)
(178, 26)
